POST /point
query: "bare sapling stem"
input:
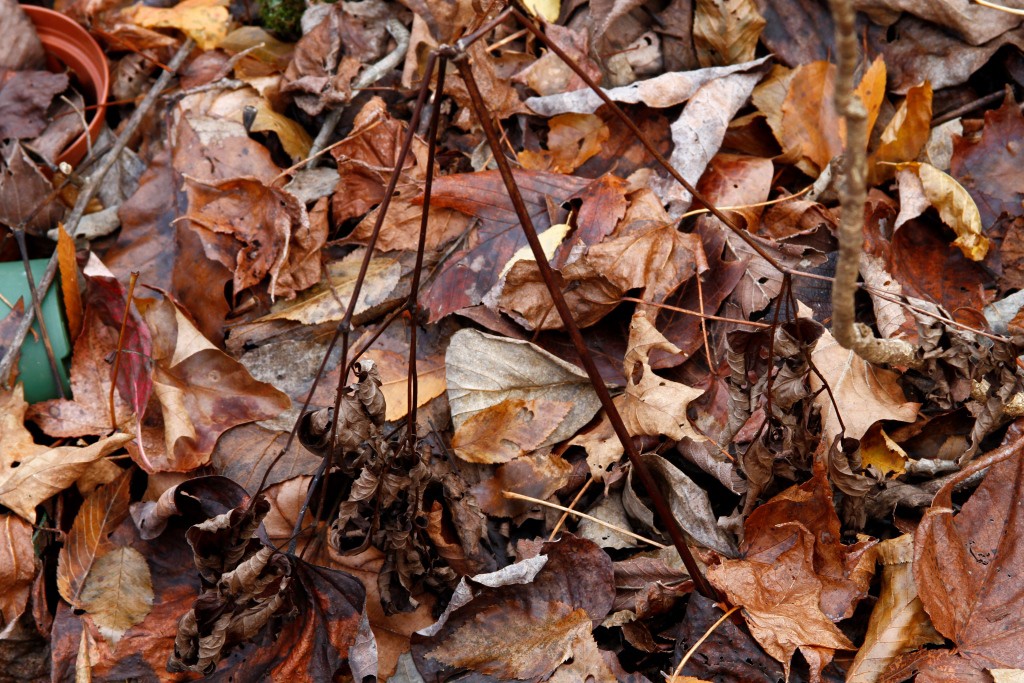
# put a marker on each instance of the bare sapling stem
(852, 196)
(660, 504)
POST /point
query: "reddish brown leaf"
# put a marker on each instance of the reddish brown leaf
(202, 392)
(18, 566)
(275, 236)
(469, 274)
(507, 430)
(990, 167)
(796, 578)
(547, 602)
(366, 158)
(966, 567)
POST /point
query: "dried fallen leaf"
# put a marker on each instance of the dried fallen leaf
(30, 473)
(904, 136)
(483, 370)
(966, 566)
(89, 538)
(328, 301)
(548, 602)
(950, 199)
(666, 90)
(989, 167)
(202, 391)
(205, 21)
(863, 393)
(118, 592)
(274, 237)
(652, 405)
(898, 621)
(18, 567)
(507, 430)
(726, 31)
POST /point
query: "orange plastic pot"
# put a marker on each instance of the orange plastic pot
(69, 45)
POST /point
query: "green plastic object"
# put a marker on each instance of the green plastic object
(34, 368)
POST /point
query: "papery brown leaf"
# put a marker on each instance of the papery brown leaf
(537, 476)
(548, 74)
(18, 567)
(795, 577)
(25, 97)
(89, 412)
(699, 131)
(666, 90)
(970, 22)
(547, 609)
(649, 255)
(276, 238)
(89, 538)
(689, 503)
(965, 567)
(366, 158)
(501, 97)
(328, 300)
(726, 31)
(864, 393)
(467, 275)
(118, 592)
(898, 622)
(202, 392)
(507, 430)
(30, 473)
(244, 453)
(799, 108)
(572, 140)
(484, 370)
(652, 405)
(989, 168)
(205, 496)
(23, 188)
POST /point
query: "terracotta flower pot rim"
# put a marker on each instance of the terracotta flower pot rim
(65, 41)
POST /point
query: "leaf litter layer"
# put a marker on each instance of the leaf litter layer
(281, 245)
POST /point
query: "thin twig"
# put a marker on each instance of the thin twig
(572, 508)
(582, 515)
(88, 192)
(700, 641)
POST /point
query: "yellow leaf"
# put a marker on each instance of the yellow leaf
(876, 448)
(955, 207)
(205, 21)
(548, 10)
